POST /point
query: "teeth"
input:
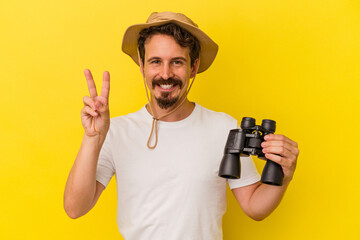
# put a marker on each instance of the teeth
(166, 86)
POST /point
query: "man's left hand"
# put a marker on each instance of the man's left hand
(283, 151)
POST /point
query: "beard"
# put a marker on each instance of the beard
(165, 101)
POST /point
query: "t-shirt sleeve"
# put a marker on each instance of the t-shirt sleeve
(105, 167)
(248, 174)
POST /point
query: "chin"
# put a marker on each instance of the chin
(165, 103)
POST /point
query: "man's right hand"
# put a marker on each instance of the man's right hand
(95, 116)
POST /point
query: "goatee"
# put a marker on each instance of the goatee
(164, 102)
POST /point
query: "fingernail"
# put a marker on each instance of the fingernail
(266, 137)
(263, 144)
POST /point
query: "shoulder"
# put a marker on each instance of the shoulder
(217, 117)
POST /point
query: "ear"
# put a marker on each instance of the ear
(141, 65)
(195, 68)
(141, 68)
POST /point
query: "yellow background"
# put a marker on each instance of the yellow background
(296, 62)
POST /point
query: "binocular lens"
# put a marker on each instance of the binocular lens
(230, 166)
(268, 125)
(247, 122)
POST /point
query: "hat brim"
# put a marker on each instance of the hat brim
(208, 47)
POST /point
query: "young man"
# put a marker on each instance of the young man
(168, 185)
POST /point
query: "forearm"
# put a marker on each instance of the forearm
(259, 200)
(264, 200)
(81, 184)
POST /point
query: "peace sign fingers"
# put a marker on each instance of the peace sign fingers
(95, 115)
(90, 83)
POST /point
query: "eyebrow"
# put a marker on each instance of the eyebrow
(152, 58)
(179, 58)
(173, 59)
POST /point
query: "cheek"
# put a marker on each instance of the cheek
(149, 71)
(149, 76)
(149, 83)
(182, 73)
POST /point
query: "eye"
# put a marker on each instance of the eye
(178, 62)
(156, 61)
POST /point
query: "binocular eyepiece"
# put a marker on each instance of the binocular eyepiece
(246, 141)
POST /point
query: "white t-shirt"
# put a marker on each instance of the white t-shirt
(173, 191)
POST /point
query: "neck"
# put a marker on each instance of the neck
(181, 112)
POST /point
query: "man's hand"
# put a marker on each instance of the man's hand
(95, 116)
(283, 151)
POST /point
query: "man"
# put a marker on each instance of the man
(170, 188)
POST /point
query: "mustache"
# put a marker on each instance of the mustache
(171, 81)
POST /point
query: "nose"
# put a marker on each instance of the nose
(166, 71)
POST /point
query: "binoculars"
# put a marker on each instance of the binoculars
(246, 141)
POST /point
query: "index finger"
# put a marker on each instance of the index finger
(90, 83)
(279, 137)
(105, 85)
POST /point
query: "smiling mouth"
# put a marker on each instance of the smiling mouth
(167, 87)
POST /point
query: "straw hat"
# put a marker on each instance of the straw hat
(208, 47)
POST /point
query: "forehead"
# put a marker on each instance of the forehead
(162, 45)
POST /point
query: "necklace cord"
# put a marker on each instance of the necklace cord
(156, 119)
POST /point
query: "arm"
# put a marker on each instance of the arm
(259, 200)
(82, 190)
